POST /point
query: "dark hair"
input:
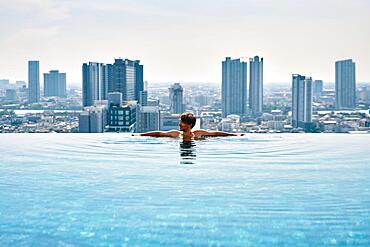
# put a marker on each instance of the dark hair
(188, 118)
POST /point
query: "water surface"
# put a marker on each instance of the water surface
(118, 190)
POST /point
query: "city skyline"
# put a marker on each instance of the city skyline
(165, 38)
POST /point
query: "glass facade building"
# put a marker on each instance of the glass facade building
(345, 84)
(256, 85)
(33, 81)
(302, 102)
(234, 87)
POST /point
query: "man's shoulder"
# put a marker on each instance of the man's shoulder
(200, 132)
(174, 133)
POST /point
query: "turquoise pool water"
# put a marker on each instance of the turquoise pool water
(118, 190)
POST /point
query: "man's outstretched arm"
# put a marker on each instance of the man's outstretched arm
(172, 133)
(212, 133)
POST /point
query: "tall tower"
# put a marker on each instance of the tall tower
(95, 80)
(176, 98)
(256, 85)
(302, 102)
(33, 81)
(128, 78)
(234, 87)
(55, 84)
(345, 84)
(139, 80)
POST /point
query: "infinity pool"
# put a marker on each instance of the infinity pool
(118, 190)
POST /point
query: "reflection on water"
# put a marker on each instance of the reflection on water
(187, 152)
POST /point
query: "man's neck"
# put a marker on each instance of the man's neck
(187, 133)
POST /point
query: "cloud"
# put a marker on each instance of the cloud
(23, 19)
(46, 10)
(129, 7)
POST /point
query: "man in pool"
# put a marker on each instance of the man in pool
(186, 123)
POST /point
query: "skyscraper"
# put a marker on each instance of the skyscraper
(33, 81)
(234, 87)
(128, 78)
(55, 84)
(256, 85)
(176, 98)
(318, 87)
(302, 102)
(124, 76)
(139, 80)
(345, 84)
(95, 81)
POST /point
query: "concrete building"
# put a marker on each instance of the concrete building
(169, 122)
(230, 124)
(256, 85)
(33, 81)
(11, 94)
(4, 84)
(55, 84)
(92, 120)
(122, 118)
(234, 87)
(148, 119)
(115, 98)
(345, 84)
(176, 99)
(302, 102)
(20, 84)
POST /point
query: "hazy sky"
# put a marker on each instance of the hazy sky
(185, 41)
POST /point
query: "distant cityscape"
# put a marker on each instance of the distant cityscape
(116, 98)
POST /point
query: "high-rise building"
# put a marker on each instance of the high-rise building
(55, 84)
(302, 102)
(318, 87)
(139, 80)
(345, 84)
(128, 78)
(176, 98)
(143, 98)
(33, 81)
(95, 82)
(148, 118)
(256, 85)
(124, 76)
(234, 87)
